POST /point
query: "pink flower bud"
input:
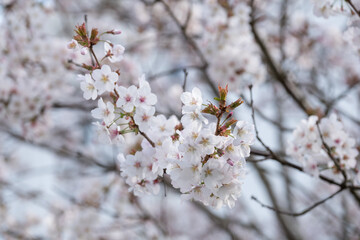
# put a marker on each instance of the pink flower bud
(83, 51)
(116, 31)
(230, 162)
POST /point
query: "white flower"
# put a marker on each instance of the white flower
(88, 86)
(207, 141)
(145, 97)
(102, 133)
(194, 117)
(244, 133)
(211, 174)
(234, 152)
(199, 193)
(163, 127)
(185, 175)
(228, 193)
(191, 151)
(104, 111)
(127, 97)
(138, 171)
(191, 100)
(143, 117)
(164, 154)
(116, 51)
(307, 146)
(73, 44)
(132, 165)
(104, 79)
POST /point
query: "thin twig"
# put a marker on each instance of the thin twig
(277, 73)
(185, 79)
(93, 54)
(353, 7)
(254, 121)
(193, 44)
(328, 151)
(303, 212)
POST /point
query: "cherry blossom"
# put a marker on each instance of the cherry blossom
(143, 118)
(145, 97)
(308, 148)
(191, 100)
(104, 79)
(88, 86)
(116, 52)
(104, 111)
(73, 44)
(127, 98)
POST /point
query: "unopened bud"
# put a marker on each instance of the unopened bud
(116, 31)
(230, 162)
(83, 51)
(229, 115)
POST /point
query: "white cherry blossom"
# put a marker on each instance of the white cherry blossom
(105, 79)
(127, 97)
(143, 118)
(104, 112)
(88, 87)
(191, 100)
(145, 97)
(116, 51)
(307, 146)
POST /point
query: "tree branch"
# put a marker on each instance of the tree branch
(303, 212)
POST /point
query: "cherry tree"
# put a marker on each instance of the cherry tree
(187, 119)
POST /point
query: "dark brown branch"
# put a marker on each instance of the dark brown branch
(146, 215)
(147, 138)
(353, 7)
(283, 223)
(255, 126)
(277, 73)
(266, 118)
(303, 212)
(143, 134)
(220, 222)
(14, 234)
(193, 44)
(294, 166)
(94, 55)
(332, 103)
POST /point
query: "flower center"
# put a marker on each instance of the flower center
(145, 118)
(142, 99)
(104, 78)
(128, 98)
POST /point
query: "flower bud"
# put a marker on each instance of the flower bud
(83, 51)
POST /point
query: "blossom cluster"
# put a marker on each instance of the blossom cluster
(228, 44)
(204, 159)
(328, 8)
(33, 66)
(350, 9)
(312, 140)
